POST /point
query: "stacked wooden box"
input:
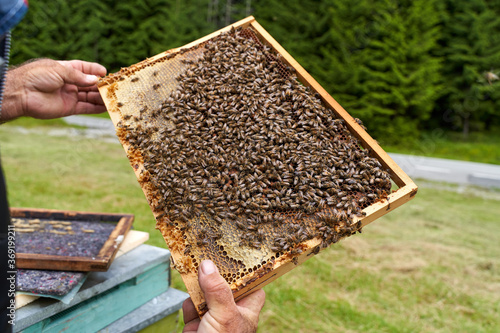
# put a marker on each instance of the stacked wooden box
(133, 294)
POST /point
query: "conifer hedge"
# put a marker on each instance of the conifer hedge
(402, 66)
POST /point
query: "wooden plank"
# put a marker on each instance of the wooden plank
(115, 239)
(60, 263)
(22, 300)
(100, 262)
(43, 213)
(133, 239)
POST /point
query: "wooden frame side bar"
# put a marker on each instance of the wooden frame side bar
(60, 214)
(58, 263)
(110, 247)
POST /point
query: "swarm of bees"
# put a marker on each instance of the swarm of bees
(242, 147)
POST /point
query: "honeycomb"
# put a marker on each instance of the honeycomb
(240, 162)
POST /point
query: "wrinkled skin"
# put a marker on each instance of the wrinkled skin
(224, 315)
(47, 89)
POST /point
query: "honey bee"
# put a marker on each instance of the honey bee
(202, 242)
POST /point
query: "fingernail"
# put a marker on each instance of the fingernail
(208, 267)
(91, 78)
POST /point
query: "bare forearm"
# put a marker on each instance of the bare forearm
(14, 96)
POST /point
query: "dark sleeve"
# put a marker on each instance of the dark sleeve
(4, 206)
(6, 294)
(11, 12)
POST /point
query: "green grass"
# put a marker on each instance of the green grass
(59, 122)
(483, 147)
(104, 115)
(432, 265)
(31, 122)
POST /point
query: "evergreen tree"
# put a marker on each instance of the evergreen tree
(376, 61)
(297, 25)
(386, 62)
(47, 31)
(113, 33)
(373, 57)
(471, 48)
(145, 28)
(93, 24)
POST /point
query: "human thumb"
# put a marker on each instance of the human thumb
(218, 295)
(76, 77)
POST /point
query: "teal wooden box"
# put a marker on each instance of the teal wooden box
(133, 280)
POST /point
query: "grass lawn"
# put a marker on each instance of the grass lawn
(432, 265)
(483, 147)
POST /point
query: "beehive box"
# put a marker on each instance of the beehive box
(61, 240)
(245, 159)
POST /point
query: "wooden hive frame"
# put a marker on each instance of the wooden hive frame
(98, 263)
(405, 192)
